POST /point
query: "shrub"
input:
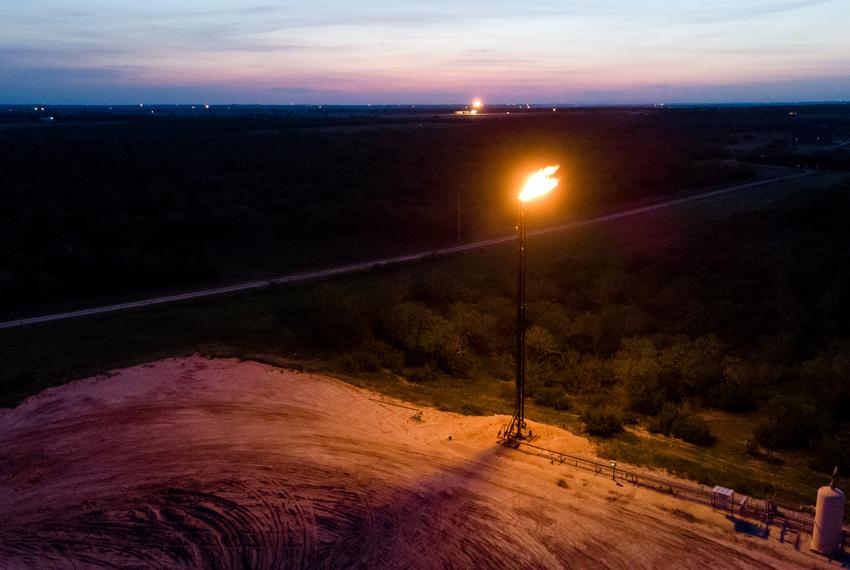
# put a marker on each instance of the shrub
(833, 451)
(423, 374)
(337, 321)
(360, 361)
(790, 423)
(663, 422)
(554, 397)
(693, 430)
(435, 286)
(468, 409)
(645, 396)
(426, 337)
(699, 363)
(630, 419)
(601, 423)
(751, 447)
(373, 357)
(673, 421)
(391, 359)
(590, 375)
(732, 397)
(479, 329)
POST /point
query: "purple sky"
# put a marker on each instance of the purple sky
(340, 51)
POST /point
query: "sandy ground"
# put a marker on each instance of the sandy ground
(218, 463)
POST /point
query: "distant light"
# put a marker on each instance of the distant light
(206, 106)
(140, 105)
(554, 109)
(477, 103)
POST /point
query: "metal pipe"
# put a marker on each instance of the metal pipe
(520, 336)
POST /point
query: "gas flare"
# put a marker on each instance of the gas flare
(539, 183)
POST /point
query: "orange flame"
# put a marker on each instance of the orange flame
(539, 183)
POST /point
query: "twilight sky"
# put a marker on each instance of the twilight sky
(441, 51)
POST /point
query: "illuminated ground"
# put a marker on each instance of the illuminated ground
(219, 463)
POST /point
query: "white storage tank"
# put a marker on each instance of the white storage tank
(829, 518)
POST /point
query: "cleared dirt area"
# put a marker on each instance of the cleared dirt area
(218, 463)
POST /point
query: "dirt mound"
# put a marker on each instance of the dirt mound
(219, 463)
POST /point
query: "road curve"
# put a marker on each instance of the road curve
(376, 263)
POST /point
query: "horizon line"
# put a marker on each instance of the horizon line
(37, 103)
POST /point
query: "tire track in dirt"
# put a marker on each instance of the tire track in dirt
(211, 463)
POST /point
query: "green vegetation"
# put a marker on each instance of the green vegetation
(712, 340)
(639, 304)
(672, 420)
(554, 397)
(601, 423)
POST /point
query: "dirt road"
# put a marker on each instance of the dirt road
(218, 463)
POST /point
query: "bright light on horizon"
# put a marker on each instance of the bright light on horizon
(539, 183)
